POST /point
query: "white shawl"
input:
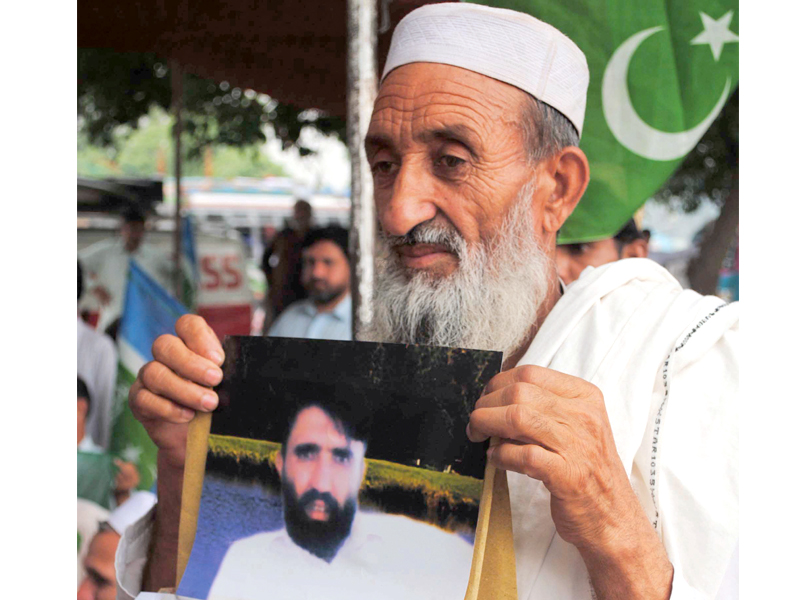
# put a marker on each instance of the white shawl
(665, 360)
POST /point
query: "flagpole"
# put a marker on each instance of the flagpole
(362, 85)
(177, 106)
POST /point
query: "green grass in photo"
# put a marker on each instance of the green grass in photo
(448, 500)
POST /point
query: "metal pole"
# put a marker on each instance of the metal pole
(362, 86)
(177, 106)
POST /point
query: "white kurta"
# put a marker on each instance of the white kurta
(665, 360)
(97, 366)
(389, 557)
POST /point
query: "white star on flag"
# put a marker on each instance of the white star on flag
(716, 33)
(131, 454)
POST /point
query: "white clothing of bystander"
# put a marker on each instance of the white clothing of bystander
(106, 265)
(97, 366)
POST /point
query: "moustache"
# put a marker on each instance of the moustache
(311, 496)
(428, 233)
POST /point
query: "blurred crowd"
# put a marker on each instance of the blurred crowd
(308, 273)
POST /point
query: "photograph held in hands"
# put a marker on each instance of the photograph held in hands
(340, 470)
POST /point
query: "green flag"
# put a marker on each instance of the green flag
(96, 472)
(149, 312)
(660, 74)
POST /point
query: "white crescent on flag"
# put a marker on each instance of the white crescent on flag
(628, 127)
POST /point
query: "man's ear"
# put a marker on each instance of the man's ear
(635, 249)
(569, 172)
(279, 462)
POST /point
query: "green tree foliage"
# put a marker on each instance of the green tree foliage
(137, 153)
(115, 90)
(711, 169)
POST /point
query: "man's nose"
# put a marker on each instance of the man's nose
(411, 200)
(319, 271)
(321, 478)
(86, 590)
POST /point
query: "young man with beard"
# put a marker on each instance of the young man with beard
(616, 413)
(329, 548)
(327, 312)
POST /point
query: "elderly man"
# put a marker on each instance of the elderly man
(615, 415)
(329, 548)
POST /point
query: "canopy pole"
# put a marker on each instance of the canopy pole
(177, 107)
(362, 86)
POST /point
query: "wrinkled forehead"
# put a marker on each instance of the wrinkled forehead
(418, 95)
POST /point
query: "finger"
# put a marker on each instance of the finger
(146, 405)
(516, 393)
(200, 338)
(159, 380)
(549, 379)
(518, 422)
(171, 352)
(529, 459)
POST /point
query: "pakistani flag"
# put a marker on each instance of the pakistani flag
(149, 312)
(660, 74)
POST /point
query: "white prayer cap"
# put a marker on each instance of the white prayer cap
(130, 511)
(503, 44)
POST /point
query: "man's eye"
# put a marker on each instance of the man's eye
(449, 161)
(383, 167)
(342, 457)
(305, 453)
(576, 249)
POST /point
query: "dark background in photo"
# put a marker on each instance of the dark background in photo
(413, 401)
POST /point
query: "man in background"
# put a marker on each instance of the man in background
(572, 259)
(90, 516)
(97, 366)
(327, 312)
(99, 578)
(106, 265)
(281, 262)
(103, 479)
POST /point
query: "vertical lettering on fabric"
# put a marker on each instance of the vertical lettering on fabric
(665, 379)
(591, 589)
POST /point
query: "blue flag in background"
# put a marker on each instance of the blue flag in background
(148, 313)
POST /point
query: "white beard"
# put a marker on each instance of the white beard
(489, 302)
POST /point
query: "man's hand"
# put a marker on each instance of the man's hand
(127, 479)
(165, 396)
(554, 427)
(169, 390)
(102, 294)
